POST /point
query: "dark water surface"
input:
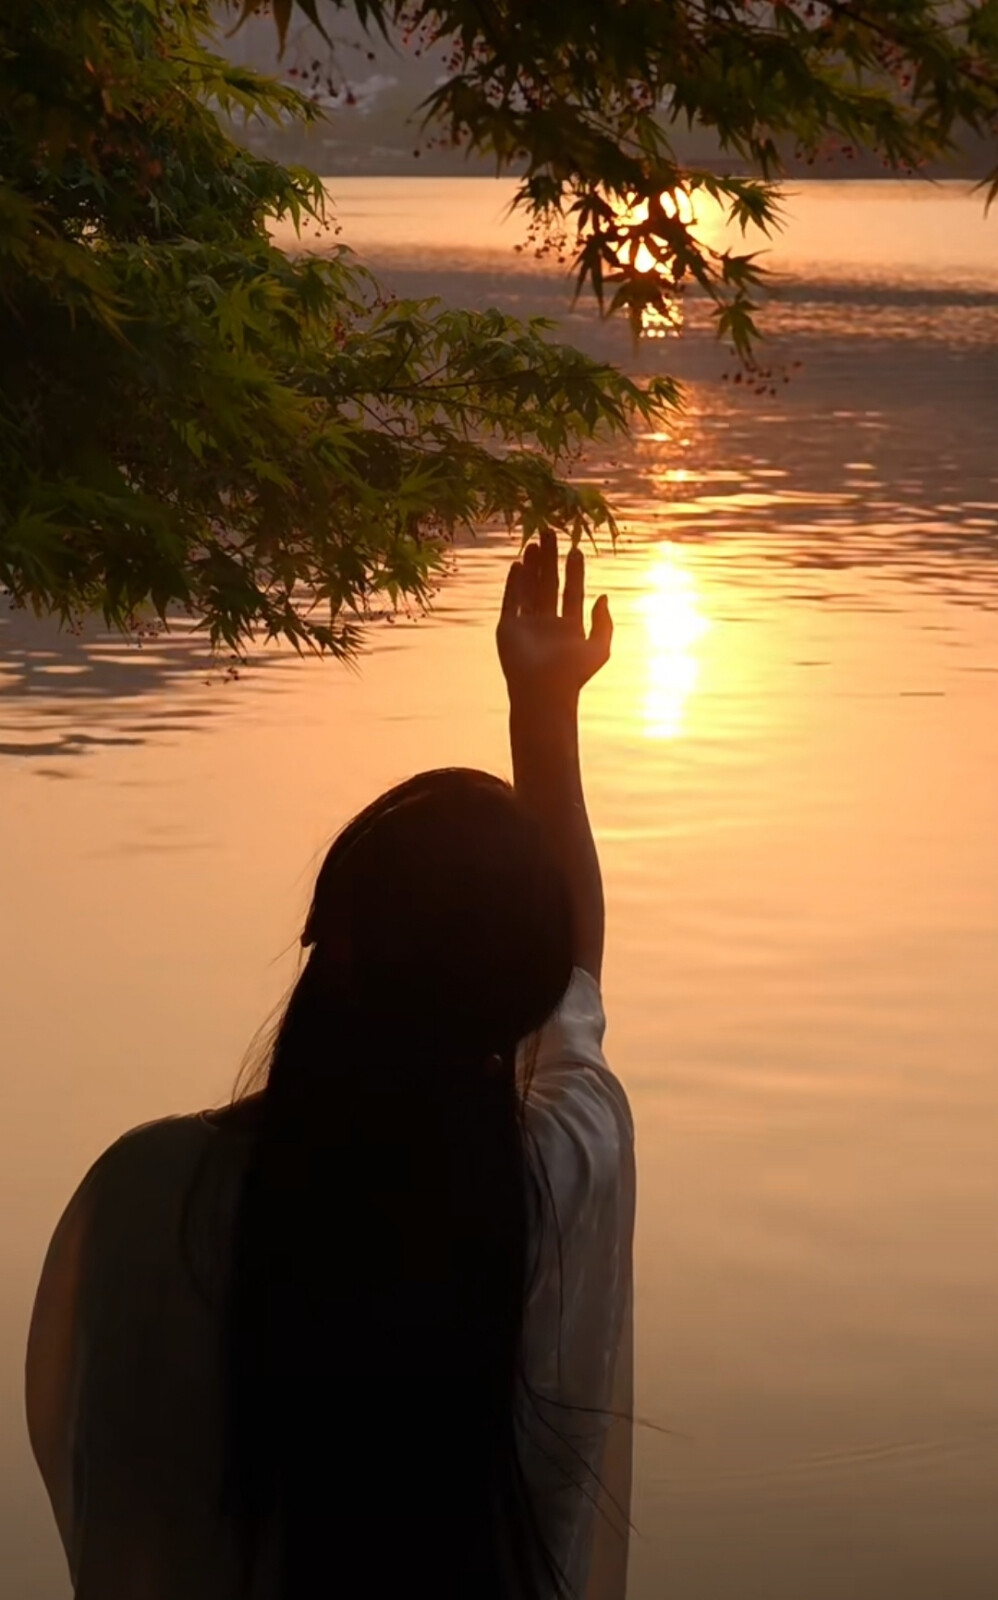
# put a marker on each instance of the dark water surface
(793, 767)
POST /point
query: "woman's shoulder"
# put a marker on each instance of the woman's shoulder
(172, 1138)
(148, 1161)
(162, 1139)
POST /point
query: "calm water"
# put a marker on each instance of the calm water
(792, 762)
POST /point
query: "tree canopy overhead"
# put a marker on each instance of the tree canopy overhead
(584, 99)
(191, 418)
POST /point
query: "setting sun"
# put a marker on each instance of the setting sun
(674, 204)
(634, 251)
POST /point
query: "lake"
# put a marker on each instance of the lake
(792, 762)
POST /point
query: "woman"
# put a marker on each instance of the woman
(366, 1332)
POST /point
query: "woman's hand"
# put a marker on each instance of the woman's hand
(546, 658)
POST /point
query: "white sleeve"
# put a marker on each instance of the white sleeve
(577, 1333)
(572, 1038)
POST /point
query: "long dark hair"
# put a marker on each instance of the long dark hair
(381, 1258)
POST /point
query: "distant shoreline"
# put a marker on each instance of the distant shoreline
(320, 151)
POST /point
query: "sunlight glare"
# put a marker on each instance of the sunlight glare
(655, 323)
(674, 624)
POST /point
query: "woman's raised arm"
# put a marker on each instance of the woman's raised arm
(547, 658)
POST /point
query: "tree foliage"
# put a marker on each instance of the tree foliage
(191, 418)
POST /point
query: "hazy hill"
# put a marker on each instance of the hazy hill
(371, 88)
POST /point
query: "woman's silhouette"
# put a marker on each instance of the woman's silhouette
(366, 1332)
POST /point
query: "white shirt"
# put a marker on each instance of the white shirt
(123, 1374)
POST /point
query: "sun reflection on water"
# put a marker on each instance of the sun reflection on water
(674, 625)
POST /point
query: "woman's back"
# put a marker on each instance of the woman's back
(144, 1426)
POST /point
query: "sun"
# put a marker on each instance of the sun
(675, 203)
(634, 252)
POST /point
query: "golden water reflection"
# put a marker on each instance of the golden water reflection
(674, 624)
